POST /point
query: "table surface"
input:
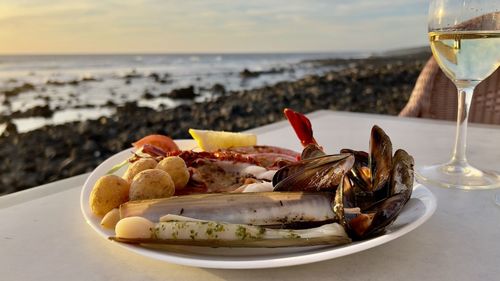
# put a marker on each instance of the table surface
(43, 235)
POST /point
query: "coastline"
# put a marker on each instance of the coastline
(49, 90)
(373, 85)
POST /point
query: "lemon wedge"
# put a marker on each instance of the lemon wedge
(213, 140)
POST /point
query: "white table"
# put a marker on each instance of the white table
(43, 235)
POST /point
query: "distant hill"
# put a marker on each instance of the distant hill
(404, 52)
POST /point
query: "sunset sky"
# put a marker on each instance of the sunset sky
(207, 26)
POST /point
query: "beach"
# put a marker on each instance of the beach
(102, 124)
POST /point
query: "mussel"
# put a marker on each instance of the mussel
(322, 173)
(373, 190)
(381, 207)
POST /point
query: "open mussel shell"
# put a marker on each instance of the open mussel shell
(312, 151)
(380, 158)
(402, 174)
(317, 174)
(360, 156)
(360, 173)
(375, 218)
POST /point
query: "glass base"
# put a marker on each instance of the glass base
(457, 176)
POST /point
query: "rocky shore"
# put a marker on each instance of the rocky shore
(374, 85)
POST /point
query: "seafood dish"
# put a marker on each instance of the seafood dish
(254, 195)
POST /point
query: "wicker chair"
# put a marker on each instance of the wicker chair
(435, 96)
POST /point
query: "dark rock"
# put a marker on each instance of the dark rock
(187, 93)
(132, 75)
(218, 89)
(249, 74)
(147, 95)
(10, 129)
(274, 71)
(74, 82)
(245, 74)
(57, 83)
(89, 79)
(155, 76)
(37, 111)
(18, 90)
(165, 79)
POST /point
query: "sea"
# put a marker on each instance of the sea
(81, 87)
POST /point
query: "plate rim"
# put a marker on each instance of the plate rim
(268, 261)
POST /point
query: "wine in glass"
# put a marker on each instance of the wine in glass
(465, 41)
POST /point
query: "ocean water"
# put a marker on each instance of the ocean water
(79, 87)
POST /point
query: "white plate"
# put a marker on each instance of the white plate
(419, 209)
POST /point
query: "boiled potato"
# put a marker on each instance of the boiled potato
(176, 168)
(139, 166)
(109, 192)
(111, 218)
(150, 184)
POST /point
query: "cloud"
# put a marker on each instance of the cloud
(209, 25)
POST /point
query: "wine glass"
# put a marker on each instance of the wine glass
(465, 41)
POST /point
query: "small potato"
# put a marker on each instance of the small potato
(109, 192)
(139, 166)
(111, 218)
(150, 184)
(176, 168)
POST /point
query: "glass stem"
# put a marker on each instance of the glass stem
(458, 158)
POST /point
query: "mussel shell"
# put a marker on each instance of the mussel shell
(338, 204)
(312, 151)
(380, 216)
(402, 174)
(360, 172)
(380, 158)
(364, 200)
(360, 156)
(382, 213)
(360, 178)
(347, 193)
(317, 174)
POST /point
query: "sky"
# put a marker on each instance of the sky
(210, 26)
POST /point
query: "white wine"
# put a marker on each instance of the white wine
(466, 55)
